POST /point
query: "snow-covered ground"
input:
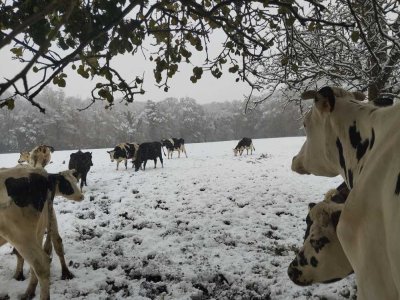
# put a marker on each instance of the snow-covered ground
(210, 226)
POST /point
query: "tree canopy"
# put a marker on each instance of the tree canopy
(49, 36)
(365, 58)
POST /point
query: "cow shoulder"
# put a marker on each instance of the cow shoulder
(28, 190)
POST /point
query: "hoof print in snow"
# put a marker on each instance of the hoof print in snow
(226, 222)
(202, 288)
(118, 237)
(202, 189)
(113, 288)
(345, 293)
(152, 290)
(161, 205)
(279, 213)
(91, 198)
(135, 192)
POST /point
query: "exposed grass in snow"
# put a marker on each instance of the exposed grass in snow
(211, 226)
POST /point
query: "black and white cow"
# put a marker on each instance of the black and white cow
(321, 259)
(244, 143)
(361, 143)
(26, 209)
(174, 144)
(81, 163)
(147, 151)
(123, 152)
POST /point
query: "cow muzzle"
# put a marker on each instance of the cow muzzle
(298, 167)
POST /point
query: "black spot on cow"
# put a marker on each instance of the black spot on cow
(360, 145)
(320, 243)
(335, 216)
(309, 224)
(350, 178)
(372, 139)
(341, 156)
(302, 259)
(338, 198)
(64, 186)
(383, 101)
(295, 263)
(327, 92)
(31, 190)
(314, 262)
(397, 190)
(294, 274)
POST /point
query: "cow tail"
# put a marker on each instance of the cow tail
(162, 148)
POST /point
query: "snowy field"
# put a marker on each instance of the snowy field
(211, 226)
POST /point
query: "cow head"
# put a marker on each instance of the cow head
(319, 154)
(67, 185)
(236, 151)
(321, 258)
(137, 163)
(24, 157)
(112, 152)
(88, 158)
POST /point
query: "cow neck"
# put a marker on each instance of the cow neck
(352, 124)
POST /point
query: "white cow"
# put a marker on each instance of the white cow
(361, 143)
(26, 210)
(321, 258)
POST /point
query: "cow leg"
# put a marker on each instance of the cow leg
(117, 164)
(19, 270)
(39, 261)
(84, 179)
(155, 163)
(179, 153)
(59, 248)
(126, 164)
(247, 149)
(184, 151)
(161, 160)
(144, 165)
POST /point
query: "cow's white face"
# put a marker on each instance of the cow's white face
(112, 152)
(23, 157)
(320, 153)
(235, 151)
(321, 258)
(67, 186)
(317, 155)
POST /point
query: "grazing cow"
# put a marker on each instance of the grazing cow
(244, 143)
(174, 144)
(81, 163)
(123, 152)
(26, 208)
(148, 151)
(39, 157)
(360, 142)
(321, 259)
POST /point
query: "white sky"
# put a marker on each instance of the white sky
(206, 90)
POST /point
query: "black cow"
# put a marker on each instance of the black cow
(148, 151)
(123, 152)
(81, 162)
(174, 144)
(244, 143)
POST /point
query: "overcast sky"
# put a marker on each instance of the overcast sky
(208, 89)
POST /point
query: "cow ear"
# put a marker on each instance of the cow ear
(308, 95)
(325, 99)
(311, 205)
(358, 96)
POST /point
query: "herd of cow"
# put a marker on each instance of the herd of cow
(354, 229)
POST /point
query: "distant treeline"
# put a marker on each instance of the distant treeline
(64, 127)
